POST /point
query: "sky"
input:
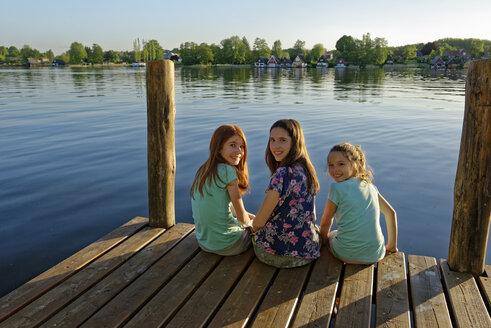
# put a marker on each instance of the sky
(114, 25)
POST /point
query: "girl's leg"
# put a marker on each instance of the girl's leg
(279, 261)
(238, 247)
(330, 236)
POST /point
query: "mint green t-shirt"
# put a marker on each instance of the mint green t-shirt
(359, 236)
(216, 227)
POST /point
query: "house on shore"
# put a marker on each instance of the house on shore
(324, 60)
(58, 62)
(262, 61)
(33, 62)
(437, 63)
(286, 62)
(299, 62)
(340, 63)
(273, 62)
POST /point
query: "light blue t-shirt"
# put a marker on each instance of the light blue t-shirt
(215, 226)
(359, 237)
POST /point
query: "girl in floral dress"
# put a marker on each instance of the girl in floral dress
(285, 232)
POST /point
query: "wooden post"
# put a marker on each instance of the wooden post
(472, 192)
(161, 113)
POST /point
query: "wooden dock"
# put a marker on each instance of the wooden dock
(139, 276)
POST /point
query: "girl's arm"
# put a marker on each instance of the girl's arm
(238, 208)
(269, 203)
(391, 221)
(326, 221)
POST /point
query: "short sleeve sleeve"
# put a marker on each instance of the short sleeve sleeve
(277, 180)
(227, 174)
(334, 193)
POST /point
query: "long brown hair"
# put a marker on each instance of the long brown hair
(208, 171)
(298, 152)
(354, 154)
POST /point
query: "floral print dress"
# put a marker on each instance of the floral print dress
(291, 230)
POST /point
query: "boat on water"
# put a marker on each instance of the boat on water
(139, 64)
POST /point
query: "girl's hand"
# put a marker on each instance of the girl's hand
(391, 249)
(251, 216)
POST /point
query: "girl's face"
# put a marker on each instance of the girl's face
(280, 143)
(340, 168)
(233, 150)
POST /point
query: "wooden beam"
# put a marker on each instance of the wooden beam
(472, 197)
(161, 113)
(467, 304)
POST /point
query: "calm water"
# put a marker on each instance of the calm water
(73, 147)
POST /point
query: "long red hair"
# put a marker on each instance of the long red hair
(209, 172)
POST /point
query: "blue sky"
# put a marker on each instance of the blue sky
(114, 25)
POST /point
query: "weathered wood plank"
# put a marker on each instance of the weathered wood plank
(467, 305)
(392, 299)
(317, 304)
(355, 301)
(205, 301)
(485, 286)
(487, 270)
(36, 287)
(240, 305)
(175, 293)
(94, 299)
(45, 306)
(430, 307)
(279, 304)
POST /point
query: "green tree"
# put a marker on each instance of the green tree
(137, 50)
(152, 50)
(347, 48)
(3, 53)
(204, 54)
(77, 53)
(476, 48)
(380, 52)
(317, 51)
(13, 52)
(409, 52)
(189, 53)
(298, 49)
(234, 50)
(97, 54)
(277, 50)
(50, 55)
(260, 48)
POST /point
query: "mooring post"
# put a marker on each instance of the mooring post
(161, 113)
(472, 192)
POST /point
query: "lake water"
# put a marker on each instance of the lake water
(73, 163)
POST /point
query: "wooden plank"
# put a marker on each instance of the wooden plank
(45, 306)
(487, 270)
(94, 299)
(485, 286)
(392, 299)
(355, 301)
(279, 305)
(205, 301)
(317, 303)
(241, 304)
(175, 293)
(33, 289)
(429, 305)
(467, 305)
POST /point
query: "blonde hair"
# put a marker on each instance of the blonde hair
(354, 154)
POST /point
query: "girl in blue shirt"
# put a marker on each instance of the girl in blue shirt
(357, 204)
(216, 195)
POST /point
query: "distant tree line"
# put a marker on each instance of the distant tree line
(237, 50)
